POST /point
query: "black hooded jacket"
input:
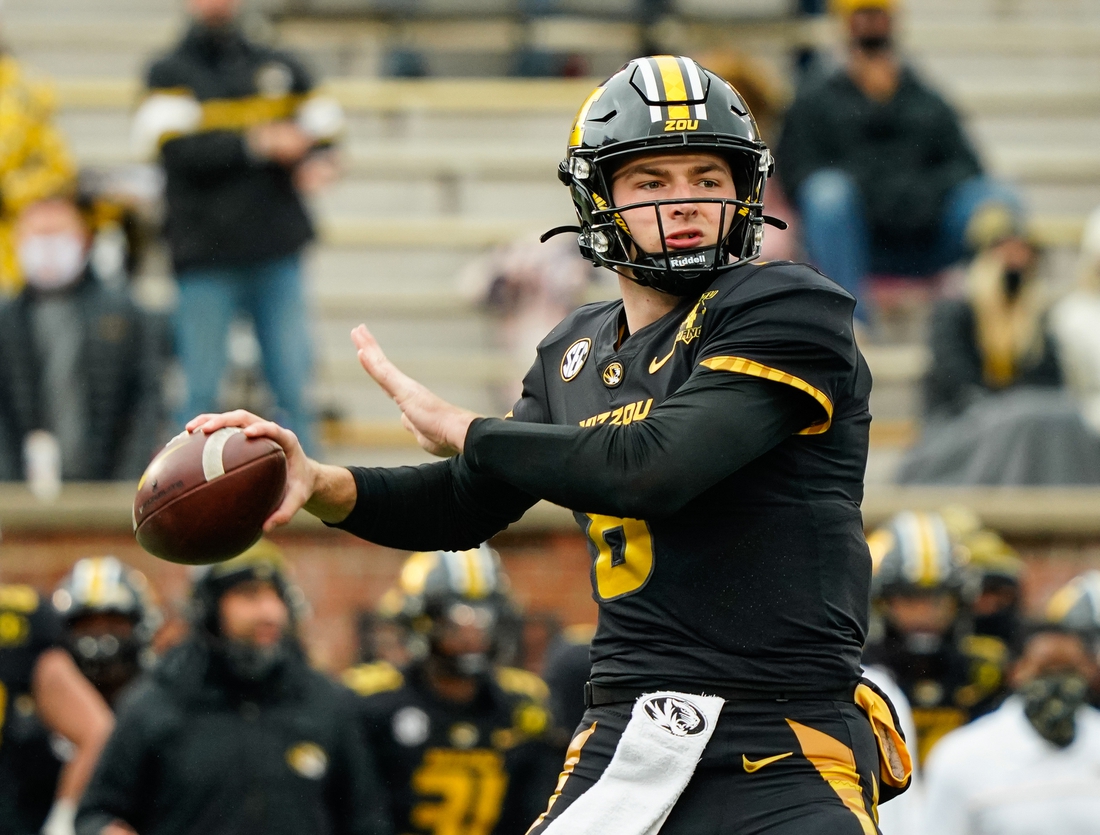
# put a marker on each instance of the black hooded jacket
(198, 752)
(225, 207)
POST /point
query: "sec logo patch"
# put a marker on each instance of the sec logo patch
(575, 357)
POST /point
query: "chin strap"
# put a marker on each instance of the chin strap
(561, 230)
(771, 221)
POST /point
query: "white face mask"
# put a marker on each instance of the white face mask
(51, 262)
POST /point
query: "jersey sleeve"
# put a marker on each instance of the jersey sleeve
(532, 404)
(800, 338)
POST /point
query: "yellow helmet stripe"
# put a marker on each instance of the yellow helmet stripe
(577, 134)
(927, 550)
(672, 77)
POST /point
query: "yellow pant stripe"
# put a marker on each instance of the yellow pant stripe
(836, 763)
(572, 757)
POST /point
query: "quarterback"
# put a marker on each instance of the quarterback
(709, 431)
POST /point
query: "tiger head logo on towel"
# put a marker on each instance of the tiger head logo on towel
(677, 716)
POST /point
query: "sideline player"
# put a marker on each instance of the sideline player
(39, 683)
(709, 431)
(461, 742)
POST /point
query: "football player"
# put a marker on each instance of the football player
(461, 741)
(40, 685)
(232, 731)
(1076, 606)
(107, 623)
(709, 431)
(921, 589)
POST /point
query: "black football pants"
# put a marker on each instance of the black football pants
(770, 768)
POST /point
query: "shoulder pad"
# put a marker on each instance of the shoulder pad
(368, 679)
(522, 683)
(985, 647)
(18, 599)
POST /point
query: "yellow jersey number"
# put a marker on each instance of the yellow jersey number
(463, 791)
(624, 555)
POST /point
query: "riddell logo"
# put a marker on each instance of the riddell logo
(698, 259)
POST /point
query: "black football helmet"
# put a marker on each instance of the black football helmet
(662, 104)
(461, 587)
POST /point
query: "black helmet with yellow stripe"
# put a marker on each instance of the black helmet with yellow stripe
(664, 104)
(1076, 605)
(917, 552)
(441, 588)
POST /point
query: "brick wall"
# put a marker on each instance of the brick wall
(342, 576)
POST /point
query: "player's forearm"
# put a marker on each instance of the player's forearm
(334, 493)
(442, 505)
(707, 431)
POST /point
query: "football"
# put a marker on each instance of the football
(204, 498)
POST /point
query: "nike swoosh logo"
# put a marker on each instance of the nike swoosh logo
(656, 365)
(751, 766)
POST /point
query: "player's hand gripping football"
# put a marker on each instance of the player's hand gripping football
(309, 484)
(438, 426)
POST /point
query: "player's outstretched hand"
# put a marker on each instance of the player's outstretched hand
(302, 472)
(438, 426)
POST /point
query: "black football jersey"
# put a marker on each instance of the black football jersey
(28, 627)
(761, 581)
(459, 769)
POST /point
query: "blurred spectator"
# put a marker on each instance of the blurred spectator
(530, 287)
(921, 635)
(1031, 766)
(1076, 606)
(240, 136)
(460, 740)
(35, 163)
(107, 623)
(877, 163)
(1075, 323)
(80, 363)
(41, 686)
(567, 668)
(233, 732)
(995, 412)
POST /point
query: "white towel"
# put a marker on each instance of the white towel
(651, 767)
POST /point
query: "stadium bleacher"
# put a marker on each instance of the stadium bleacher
(440, 169)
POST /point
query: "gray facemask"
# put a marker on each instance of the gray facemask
(1051, 703)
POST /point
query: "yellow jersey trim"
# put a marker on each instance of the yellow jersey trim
(740, 365)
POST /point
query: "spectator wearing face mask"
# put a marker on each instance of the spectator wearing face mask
(242, 137)
(35, 162)
(877, 163)
(80, 363)
(1033, 765)
(996, 410)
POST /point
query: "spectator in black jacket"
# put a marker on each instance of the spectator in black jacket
(240, 136)
(881, 171)
(80, 363)
(233, 733)
(996, 411)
